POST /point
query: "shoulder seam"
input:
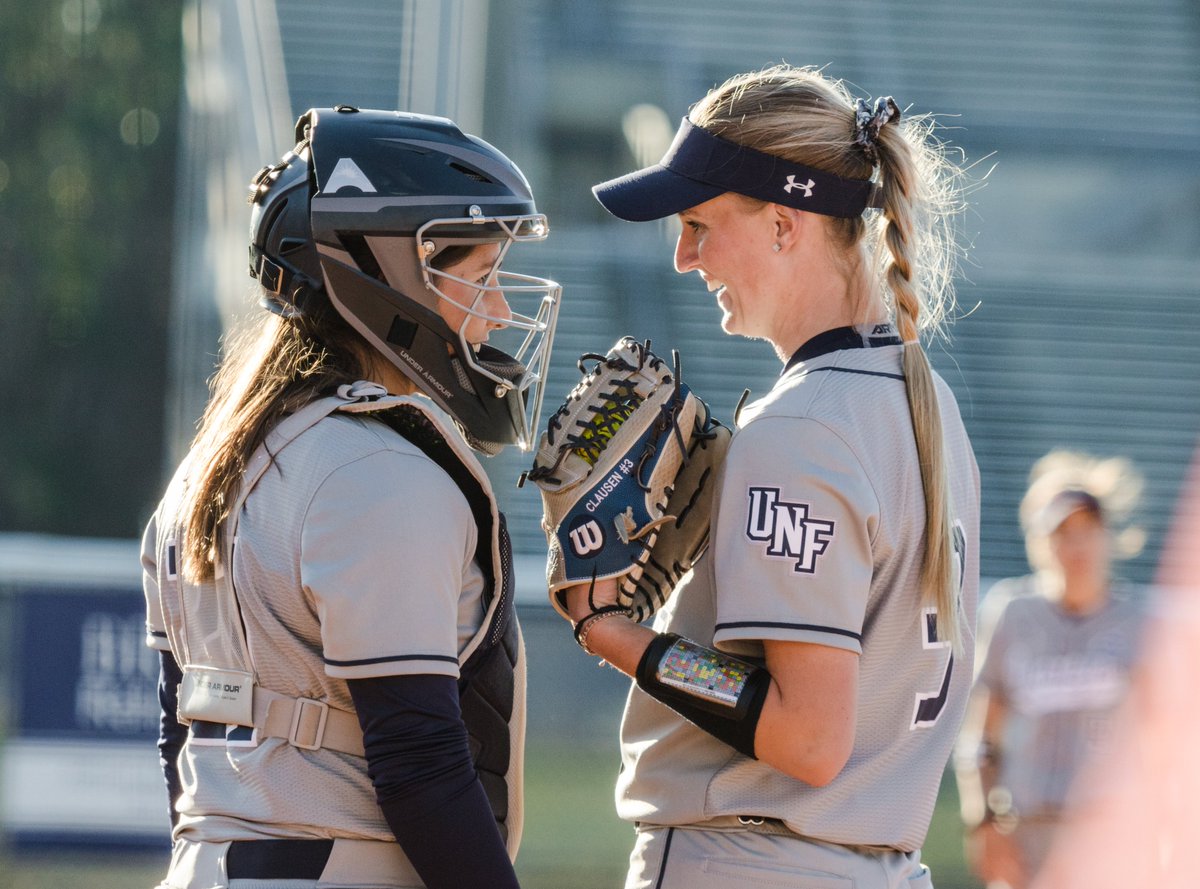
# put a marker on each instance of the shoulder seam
(858, 460)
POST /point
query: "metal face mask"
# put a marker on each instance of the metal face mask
(504, 313)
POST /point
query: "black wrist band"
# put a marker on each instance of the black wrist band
(718, 693)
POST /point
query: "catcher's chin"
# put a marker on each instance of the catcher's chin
(602, 592)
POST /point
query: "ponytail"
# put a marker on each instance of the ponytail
(269, 370)
(899, 182)
(939, 581)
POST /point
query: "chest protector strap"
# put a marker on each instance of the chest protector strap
(204, 622)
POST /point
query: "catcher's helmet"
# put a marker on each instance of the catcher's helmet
(359, 213)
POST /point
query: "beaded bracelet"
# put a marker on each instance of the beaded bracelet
(585, 626)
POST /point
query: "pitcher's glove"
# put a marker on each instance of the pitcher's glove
(683, 539)
(608, 466)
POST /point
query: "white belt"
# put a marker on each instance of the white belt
(306, 723)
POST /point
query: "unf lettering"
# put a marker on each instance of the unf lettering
(787, 529)
(761, 519)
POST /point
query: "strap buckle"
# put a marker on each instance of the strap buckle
(270, 274)
(308, 727)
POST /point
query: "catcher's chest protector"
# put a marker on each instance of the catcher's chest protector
(205, 629)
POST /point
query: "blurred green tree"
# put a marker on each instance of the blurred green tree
(89, 95)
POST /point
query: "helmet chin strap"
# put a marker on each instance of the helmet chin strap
(490, 448)
(517, 387)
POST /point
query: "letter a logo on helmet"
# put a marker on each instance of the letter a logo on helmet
(347, 173)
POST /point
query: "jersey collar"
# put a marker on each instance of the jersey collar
(864, 336)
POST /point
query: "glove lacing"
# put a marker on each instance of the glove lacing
(623, 393)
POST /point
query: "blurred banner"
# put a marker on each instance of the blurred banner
(79, 763)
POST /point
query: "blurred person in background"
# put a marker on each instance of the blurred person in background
(328, 578)
(1058, 649)
(1148, 777)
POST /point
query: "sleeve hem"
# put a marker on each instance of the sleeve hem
(400, 666)
(831, 637)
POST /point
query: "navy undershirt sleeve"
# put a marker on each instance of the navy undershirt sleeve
(171, 733)
(425, 781)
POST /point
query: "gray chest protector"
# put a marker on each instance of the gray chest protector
(220, 684)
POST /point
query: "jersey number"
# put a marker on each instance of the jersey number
(929, 706)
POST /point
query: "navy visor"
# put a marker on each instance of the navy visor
(700, 166)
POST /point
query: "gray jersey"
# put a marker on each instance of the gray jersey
(815, 540)
(1061, 678)
(354, 557)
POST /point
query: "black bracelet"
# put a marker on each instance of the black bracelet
(585, 626)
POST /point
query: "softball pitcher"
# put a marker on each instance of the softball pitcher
(798, 697)
(328, 578)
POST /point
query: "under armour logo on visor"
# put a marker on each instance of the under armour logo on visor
(792, 183)
(787, 529)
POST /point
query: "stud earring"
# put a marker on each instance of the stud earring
(776, 247)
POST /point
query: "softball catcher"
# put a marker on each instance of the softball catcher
(799, 692)
(328, 577)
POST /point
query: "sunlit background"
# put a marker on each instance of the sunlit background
(130, 128)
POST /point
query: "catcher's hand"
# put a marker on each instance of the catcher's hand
(607, 468)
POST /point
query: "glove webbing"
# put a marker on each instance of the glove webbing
(624, 389)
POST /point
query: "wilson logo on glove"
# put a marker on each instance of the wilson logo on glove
(586, 538)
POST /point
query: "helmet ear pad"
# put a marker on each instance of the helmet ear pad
(415, 338)
(282, 254)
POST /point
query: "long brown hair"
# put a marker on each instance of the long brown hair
(805, 117)
(267, 371)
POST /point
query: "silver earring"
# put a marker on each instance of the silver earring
(776, 247)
